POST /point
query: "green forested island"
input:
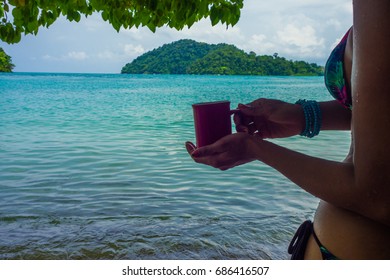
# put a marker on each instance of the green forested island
(5, 62)
(191, 57)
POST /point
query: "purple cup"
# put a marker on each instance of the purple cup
(212, 121)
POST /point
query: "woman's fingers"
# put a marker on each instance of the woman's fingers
(242, 128)
(241, 122)
(190, 147)
(205, 151)
(252, 128)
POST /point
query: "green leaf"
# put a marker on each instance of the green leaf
(214, 15)
(31, 26)
(76, 16)
(105, 15)
(17, 13)
(152, 27)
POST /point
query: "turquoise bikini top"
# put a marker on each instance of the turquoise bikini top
(335, 75)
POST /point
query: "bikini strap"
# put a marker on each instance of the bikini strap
(298, 243)
(325, 253)
(316, 238)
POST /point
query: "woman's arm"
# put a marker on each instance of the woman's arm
(269, 118)
(335, 116)
(371, 103)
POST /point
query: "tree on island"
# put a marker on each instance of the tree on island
(5, 62)
(191, 57)
(29, 15)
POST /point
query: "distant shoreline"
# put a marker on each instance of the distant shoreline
(143, 74)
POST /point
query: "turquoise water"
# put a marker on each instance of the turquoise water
(94, 167)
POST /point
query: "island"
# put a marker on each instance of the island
(5, 62)
(192, 57)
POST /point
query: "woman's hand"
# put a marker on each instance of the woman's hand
(228, 152)
(269, 118)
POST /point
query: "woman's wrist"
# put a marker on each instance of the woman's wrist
(313, 117)
(256, 147)
(300, 119)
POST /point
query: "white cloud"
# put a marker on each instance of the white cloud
(259, 43)
(73, 55)
(333, 22)
(106, 55)
(301, 29)
(218, 33)
(300, 40)
(120, 52)
(133, 33)
(94, 23)
(49, 57)
(131, 50)
(77, 55)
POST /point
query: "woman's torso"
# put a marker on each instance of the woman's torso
(346, 234)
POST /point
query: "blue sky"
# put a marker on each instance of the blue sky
(298, 30)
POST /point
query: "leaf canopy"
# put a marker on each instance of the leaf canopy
(19, 17)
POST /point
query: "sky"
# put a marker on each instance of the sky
(297, 30)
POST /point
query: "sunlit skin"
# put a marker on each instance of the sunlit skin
(353, 217)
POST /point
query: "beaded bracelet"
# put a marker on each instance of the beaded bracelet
(313, 118)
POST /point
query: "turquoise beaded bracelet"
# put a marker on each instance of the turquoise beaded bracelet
(313, 118)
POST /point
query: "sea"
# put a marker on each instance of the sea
(93, 166)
